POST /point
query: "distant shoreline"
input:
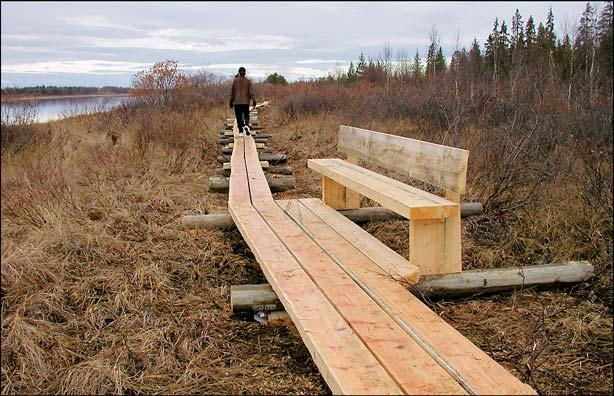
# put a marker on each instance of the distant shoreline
(16, 98)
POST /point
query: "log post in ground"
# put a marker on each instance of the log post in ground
(271, 158)
(361, 215)
(277, 183)
(272, 169)
(246, 297)
(228, 150)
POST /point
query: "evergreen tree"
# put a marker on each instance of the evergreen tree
(529, 35)
(440, 62)
(542, 37)
(517, 40)
(352, 74)
(550, 34)
(503, 49)
(564, 54)
(475, 60)
(491, 54)
(362, 65)
(431, 60)
(584, 45)
(416, 67)
(604, 39)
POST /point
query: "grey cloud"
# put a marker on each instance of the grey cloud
(274, 35)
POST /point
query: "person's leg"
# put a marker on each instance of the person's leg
(239, 117)
(246, 119)
(246, 112)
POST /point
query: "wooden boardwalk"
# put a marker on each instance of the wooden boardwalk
(366, 333)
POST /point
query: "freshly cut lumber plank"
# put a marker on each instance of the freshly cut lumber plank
(390, 262)
(452, 250)
(414, 204)
(413, 369)
(343, 360)
(474, 369)
(436, 164)
(426, 245)
(336, 195)
(347, 366)
(501, 279)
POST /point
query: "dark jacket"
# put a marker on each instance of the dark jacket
(241, 92)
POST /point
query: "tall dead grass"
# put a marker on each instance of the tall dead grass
(102, 292)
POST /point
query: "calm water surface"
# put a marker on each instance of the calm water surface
(51, 109)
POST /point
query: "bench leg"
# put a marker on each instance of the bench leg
(435, 245)
(338, 196)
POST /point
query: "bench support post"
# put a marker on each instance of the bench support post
(435, 244)
(337, 196)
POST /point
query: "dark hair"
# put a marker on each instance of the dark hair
(241, 70)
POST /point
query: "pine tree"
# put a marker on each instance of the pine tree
(440, 62)
(584, 46)
(352, 75)
(564, 54)
(551, 35)
(491, 54)
(362, 65)
(475, 60)
(529, 35)
(517, 40)
(503, 49)
(431, 61)
(416, 67)
(604, 39)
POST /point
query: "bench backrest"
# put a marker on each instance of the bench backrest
(441, 166)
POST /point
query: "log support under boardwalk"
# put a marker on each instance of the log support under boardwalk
(466, 283)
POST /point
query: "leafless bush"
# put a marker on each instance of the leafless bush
(18, 129)
(32, 198)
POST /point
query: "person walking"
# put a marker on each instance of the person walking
(240, 96)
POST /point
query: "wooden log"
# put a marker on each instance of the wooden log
(271, 158)
(258, 136)
(254, 298)
(276, 170)
(228, 151)
(257, 139)
(365, 215)
(218, 221)
(362, 215)
(246, 297)
(278, 319)
(263, 164)
(503, 279)
(280, 170)
(277, 183)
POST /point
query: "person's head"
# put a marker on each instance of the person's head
(242, 71)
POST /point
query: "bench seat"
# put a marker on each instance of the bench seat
(409, 202)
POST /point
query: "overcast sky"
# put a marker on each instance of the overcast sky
(105, 43)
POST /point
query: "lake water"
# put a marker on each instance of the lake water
(50, 109)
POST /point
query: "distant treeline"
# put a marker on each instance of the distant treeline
(583, 54)
(44, 90)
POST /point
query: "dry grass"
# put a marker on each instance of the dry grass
(102, 292)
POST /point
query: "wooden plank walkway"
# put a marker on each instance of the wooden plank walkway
(366, 333)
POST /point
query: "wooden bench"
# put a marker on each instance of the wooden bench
(434, 221)
(365, 332)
